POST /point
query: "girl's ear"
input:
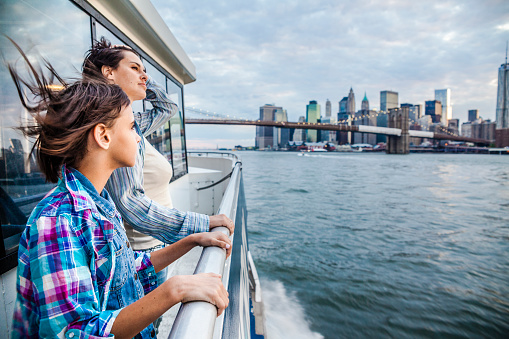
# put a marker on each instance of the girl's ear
(101, 135)
(107, 72)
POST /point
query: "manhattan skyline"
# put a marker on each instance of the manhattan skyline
(291, 52)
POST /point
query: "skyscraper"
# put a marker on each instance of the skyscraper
(328, 108)
(365, 103)
(503, 96)
(388, 100)
(281, 135)
(434, 109)
(444, 96)
(414, 112)
(265, 135)
(300, 134)
(342, 105)
(350, 104)
(473, 115)
(313, 113)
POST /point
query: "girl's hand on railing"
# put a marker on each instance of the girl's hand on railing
(221, 220)
(200, 287)
(218, 239)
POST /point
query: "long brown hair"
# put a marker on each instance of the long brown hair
(64, 114)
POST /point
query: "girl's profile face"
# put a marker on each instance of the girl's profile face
(124, 143)
(130, 76)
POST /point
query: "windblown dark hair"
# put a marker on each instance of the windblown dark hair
(103, 53)
(64, 114)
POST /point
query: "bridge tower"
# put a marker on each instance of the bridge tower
(398, 118)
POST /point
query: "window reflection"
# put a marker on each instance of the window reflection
(157, 137)
(101, 31)
(60, 32)
(177, 131)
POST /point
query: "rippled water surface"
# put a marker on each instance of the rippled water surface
(376, 245)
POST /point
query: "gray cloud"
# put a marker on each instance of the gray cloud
(289, 52)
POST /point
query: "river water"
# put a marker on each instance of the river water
(380, 246)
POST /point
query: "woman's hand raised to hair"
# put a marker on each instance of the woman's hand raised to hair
(218, 239)
(200, 287)
(221, 220)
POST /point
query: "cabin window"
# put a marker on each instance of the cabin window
(176, 127)
(101, 31)
(60, 32)
(157, 138)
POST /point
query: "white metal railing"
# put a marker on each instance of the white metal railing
(198, 319)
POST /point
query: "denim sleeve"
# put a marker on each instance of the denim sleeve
(66, 294)
(146, 271)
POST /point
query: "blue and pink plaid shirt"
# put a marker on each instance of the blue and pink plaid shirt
(66, 264)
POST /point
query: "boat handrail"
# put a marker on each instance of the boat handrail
(214, 153)
(198, 319)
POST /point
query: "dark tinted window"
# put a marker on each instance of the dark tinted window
(60, 32)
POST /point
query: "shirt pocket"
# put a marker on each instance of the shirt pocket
(121, 261)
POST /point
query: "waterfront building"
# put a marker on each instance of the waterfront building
(480, 129)
(503, 96)
(502, 132)
(484, 130)
(350, 105)
(466, 129)
(265, 135)
(365, 103)
(425, 122)
(281, 135)
(300, 134)
(388, 100)
(414, 112)
(365, 118)
(324, 135)
(453, 126)
(444, 96)
(342, 106)
(343, 119)
(313, 114)
(328, 108)
(433, 108)
(473, 115)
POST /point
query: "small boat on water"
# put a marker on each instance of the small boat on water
(209, 183)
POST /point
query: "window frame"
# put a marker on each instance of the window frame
(10, 261)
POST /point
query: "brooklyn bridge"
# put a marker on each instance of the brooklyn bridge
(397, 132)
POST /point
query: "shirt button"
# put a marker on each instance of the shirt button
(135, 275)
(128, 244)
(71, 335)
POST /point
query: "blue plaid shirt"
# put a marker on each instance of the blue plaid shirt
(74, 262)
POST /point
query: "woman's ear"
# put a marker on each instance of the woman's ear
(101, 136)
(107, 72)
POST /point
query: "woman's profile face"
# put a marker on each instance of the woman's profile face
(130, 76)
(124, 144)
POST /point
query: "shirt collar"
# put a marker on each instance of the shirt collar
(80, 187)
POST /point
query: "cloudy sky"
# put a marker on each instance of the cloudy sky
(288, 52)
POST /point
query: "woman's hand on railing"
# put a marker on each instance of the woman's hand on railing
(218, 239)
(200, 287)
(221, 220)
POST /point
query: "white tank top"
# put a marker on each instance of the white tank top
(157, 173)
